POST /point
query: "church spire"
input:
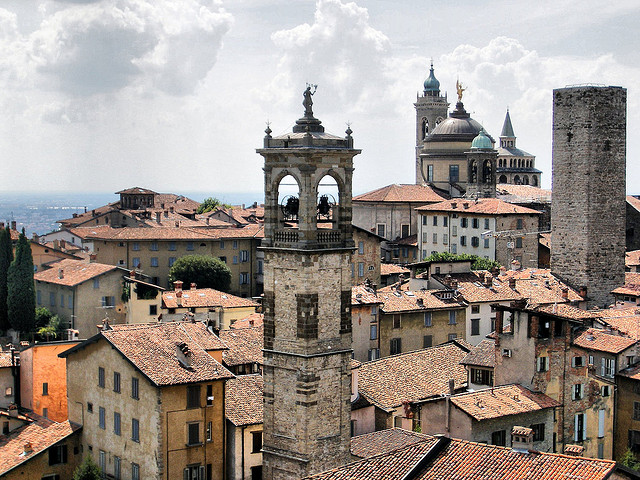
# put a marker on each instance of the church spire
(507, 128)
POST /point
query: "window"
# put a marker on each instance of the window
(435, 238)
(58, 455)
(404, 230)
(193, 432)
(435, 220)
(135, 247)
(464, 222)
(486, 224)
(108, 301)
(445, 238)
(396, 321)
(605, 390)
(172, 260)
(427, 341)
(89, 407)
(101, 377)
(101, 418)
(381, 229)
(499, 438)
(395, 346)
(193, 396)
(424, 219)
(153, 309)
(117, 468)
(452, 336)
(454, 230)
(601, 413)
(70, 301)
(373, 331)
(39, 297)
(475, 326)
(452, 317)
(209, 395)
(634, 440)
(154, 261)
(577, 362)
(154, 246)
(636, 410)
(134, 388)
(96, 283)
(608, 367)
(538, 432)
(244, 255)
(454, 173)
(235, 259)
(189, 246)
(486, 242)
(116, 382)
(481, 377)
(475, 241)
(361, 248)
(135, 262)
(463, 241)
(429, 173)
(45, 388)
(428, 319)
(475, 222)
(52, 299)
(135, 430)
(116, 423)
(445, 221)
(244, 278)
(61, 300)
(542, 364)
(454, 248)
(45, 412)
(209, 431)
(360, 269)
(260, 266)
(519, 224)
(519, 242)
(580, 427)
(135, 471)
(172, 246)
(256, 442)
(373, 354)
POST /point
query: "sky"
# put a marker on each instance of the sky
(174, 95)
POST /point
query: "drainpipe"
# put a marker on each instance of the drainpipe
(242, 448)
(15, 371)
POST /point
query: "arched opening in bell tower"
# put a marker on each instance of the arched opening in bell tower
(328, 202)
(288, 200)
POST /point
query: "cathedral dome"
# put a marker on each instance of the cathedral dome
(431, 84)
(458, 127)
(481, 142)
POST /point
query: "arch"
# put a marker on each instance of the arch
(511, 162)
(519, 163)
(525, 180)
(534, 180)
(473, 172)
(439, 120)
(487, 171)
(516, 180)
(503, 179)
(425, 128)
(328, 192)
(287, 195)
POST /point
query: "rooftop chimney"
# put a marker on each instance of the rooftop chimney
(522, 439)
(60, 273)
(177, 285)
(13, 410)
(512, 283)
(488, 279)
(184, 354)
(28, 449)
(574, 450)
(420, 302)
(132, 274)
(193, 286)
(565, 293)
(158, 217)
(583, 291)
(92, 257)
(452, 386)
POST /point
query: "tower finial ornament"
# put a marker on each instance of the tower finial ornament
(459, 89)
(308, 102)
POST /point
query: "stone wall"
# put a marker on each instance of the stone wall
(588, 209)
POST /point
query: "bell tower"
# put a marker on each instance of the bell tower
(481, 164)
(307, 300)
(431, 109)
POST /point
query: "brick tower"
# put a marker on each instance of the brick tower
(307, 298)
(431, 109)
(588, 204)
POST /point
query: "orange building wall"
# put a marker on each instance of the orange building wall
(40, 364)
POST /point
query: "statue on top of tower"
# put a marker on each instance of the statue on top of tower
(459, 90)
(308, 102)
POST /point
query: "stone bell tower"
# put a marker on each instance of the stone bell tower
(481, 164)
(307, 300)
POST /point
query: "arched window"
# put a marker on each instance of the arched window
(525, 180)
(425, 128)
(516, 180)
(503, 179)
(473, 172)
(534, 181)
(487, 171)
(289, 198)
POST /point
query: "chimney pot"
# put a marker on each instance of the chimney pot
(92, 257)
(158, 217)
(60, 273)
(512, 283)
(193, 286)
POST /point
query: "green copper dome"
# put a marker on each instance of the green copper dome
(481, 142)
(431, 84)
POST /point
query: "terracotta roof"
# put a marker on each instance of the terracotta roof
(5, 359)
(634, 202)
(483, 206)
(90, 215)
(136, 190)
(502, 401)
(567, 311)
(472, 287)
(243, 400)
(173, 233)
(205, 297)
(631, 285)
(74, 272)
(245, 345)
(463, 460)
(631, 372)
(40, 432)
(384, 441)
(413, 376)
(482, 355)
(86, 232)
(153, 348)
(363, 295)
(523, 193)
(539, 286)
(625, 320)
(253, 320)
(400, 193)
(632, 258)
(603, 341)
(418, 300)
(411, 240)
(392, 269)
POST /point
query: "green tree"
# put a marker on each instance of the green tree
(206, 272)
(52, 330)
(87, 470)
(478, 263)
(43, 316)
(21, 300)
(6, 257)
(211, 203)
(628, 459)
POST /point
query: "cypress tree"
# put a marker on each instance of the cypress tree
(6, 257)
(21, 292)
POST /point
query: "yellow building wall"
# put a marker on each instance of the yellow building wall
(38, 466)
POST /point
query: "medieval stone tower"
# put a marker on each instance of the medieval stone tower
(431, 109)
(307, 298)
(481, 164)
(588, 205)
